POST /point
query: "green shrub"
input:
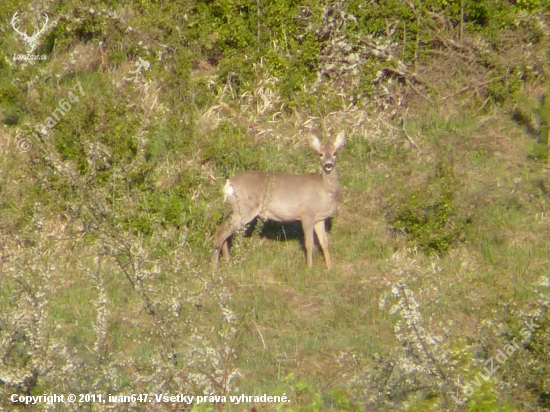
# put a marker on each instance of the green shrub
(535, 114)
(430, 216)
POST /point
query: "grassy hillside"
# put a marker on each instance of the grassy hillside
(118, 135)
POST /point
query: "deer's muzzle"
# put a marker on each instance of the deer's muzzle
(328, 168)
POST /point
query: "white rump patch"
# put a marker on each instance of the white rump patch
(228, 190)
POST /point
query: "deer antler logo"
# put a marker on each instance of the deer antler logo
(30, 40)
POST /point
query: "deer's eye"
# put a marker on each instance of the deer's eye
(334, 154)
(320, 154)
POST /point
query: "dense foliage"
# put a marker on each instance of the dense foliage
(114, 145)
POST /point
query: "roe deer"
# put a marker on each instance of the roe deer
(310, 198)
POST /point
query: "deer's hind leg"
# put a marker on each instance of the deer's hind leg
(225, 231)
(220, 243)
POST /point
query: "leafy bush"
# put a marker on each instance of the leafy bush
(535, 114)
(429, 216)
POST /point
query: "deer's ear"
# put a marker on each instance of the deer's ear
(340, 140)
(314, 142)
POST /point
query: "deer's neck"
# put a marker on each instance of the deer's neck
(330, 182)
